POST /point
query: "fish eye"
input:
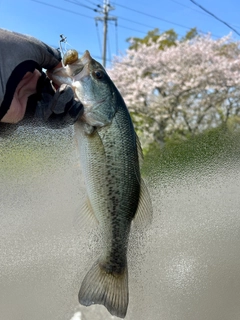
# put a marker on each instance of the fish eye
(99, 74)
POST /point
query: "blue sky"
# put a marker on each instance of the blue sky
(45, 21)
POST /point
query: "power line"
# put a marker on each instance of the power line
(140, 31)
(122, 18)
(213, 15)
(81, 5)
(161, 19)
(89, 17)
(183, 5)
(116, 37)
(139, 23)
(142, 24)
(104, 11)
(105, 18)
(74, 12)
(59, 8)
(123, 27)
(98, 36)
(109, 48)
(95, 4)
(119, 25)
(154, 17)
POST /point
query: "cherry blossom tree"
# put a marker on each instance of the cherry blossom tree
(181, 90)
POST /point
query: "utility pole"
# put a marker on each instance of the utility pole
(105, 12)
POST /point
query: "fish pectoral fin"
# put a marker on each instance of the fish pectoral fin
(144, 214)
(102, 287)
(85, 215)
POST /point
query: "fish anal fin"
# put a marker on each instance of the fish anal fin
(144, 214)
(106, 288)
(85, 214)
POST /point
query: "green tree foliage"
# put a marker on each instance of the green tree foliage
(170, 38)
(191, 34)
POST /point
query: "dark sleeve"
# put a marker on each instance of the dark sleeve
(20, 54)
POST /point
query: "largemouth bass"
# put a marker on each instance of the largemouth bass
(110, 155)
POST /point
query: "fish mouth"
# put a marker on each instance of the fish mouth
(70, 69)
(57, 70)
(86, 57)
(82, 69)
(78, 66)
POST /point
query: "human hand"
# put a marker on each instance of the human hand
(21, 61)
(58, 109)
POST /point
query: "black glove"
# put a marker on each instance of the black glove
(48, 108)
(56, 109)
(20, 54)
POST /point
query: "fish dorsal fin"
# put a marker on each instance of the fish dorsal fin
(139, 149)
(85, 214)
(144, 212)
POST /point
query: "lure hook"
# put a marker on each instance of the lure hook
(63, 39)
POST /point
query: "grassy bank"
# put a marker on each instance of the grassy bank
(216, 145)
(33, 150)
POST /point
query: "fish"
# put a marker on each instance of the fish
(110, 157)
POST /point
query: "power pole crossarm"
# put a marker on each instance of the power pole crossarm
(105, 18)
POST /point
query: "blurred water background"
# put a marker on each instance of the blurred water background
(186, 265)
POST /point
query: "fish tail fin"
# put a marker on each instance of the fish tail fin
(107, 288)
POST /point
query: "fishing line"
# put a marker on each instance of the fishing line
(63, 40)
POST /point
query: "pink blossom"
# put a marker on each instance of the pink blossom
(189, 87)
